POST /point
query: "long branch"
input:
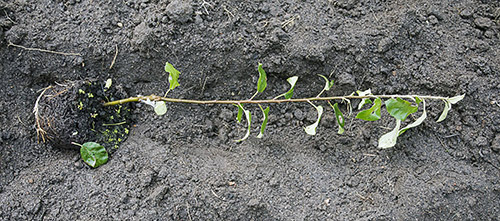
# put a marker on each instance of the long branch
(175, 100)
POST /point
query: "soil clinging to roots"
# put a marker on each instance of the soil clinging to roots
(73, 112)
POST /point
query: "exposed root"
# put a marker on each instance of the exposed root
(114, 58)
(40, 132)
(43, 50)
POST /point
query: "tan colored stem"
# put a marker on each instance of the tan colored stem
(175, 100)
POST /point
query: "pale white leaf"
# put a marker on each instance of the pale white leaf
(311, 129)
(388, 140)
(363, 101)
(108, 83)
(160, 108)
(447, 107)
(454, 100)
(292, 80)
(248, 116)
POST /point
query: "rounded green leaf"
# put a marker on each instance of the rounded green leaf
(173, 75)
(93, 154)
(373, 113)
(399, 108)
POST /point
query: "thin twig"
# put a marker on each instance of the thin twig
(43, 50)
(204, 5)
(7, 15)
(114, 58)
(250, 101)
(115, 124)
(229, 13)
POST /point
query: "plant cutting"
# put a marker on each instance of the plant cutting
(398, 106)
(83, 102)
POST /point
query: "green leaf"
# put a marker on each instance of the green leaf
(173, 75)
(339, 117)
(364, 100)
(328, 84)
(93, 154)
(417, 122)
(399, 108)
(160, 108)
(418, 100)
(248, 116)
(240, 112)
(373, 113)
(262, 82)
(454, 100)
(447, 107)
(311, 129)
(264, 121)
(292, 81)
(388, 140)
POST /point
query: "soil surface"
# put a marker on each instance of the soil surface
(184, 165)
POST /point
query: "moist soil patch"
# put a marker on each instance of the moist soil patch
(185, 164)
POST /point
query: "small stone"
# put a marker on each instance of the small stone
(481, 141)
(226, 115)
(180, 11)
(253, 203)
(346, 79)
(385, 44)
(119, 24)
(30, 181)
(483, 23)
(198, 19)
(433, 20)
(223, 134)
(209, 125)
(466, 13)
(142, 34)
(158, 194)
(489, 34)
(146, 177)
(495, 145)
(312, 115)
(78, 165)
(274, 182)
(299, 114)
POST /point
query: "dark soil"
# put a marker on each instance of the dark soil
(185, 165)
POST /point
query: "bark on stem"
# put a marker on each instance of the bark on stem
(175, 100)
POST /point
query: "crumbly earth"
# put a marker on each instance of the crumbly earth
(184, 165)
